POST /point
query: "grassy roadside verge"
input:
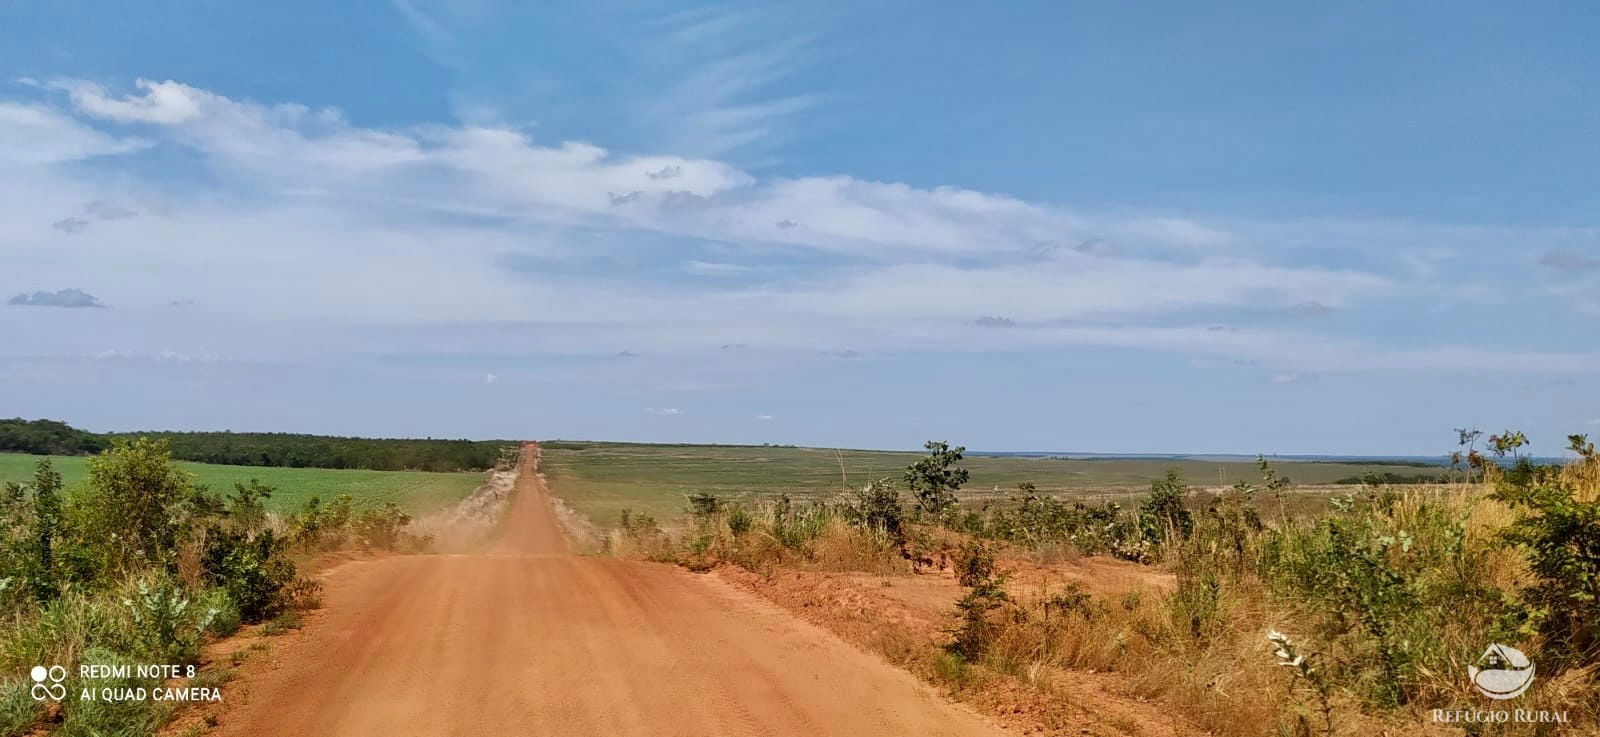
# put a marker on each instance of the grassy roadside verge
(137, 565)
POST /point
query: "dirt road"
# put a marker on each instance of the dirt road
(528, 639)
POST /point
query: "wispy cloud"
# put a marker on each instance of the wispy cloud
(664, 411)
(727, 64)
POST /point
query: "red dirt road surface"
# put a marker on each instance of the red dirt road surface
(529, 639)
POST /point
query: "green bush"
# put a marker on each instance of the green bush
(739, 521)
(252, 569)
(246, 505)
(981, 613)
(225, 619)
(383, 528)
(1037, 521)
(127, 506)
(1163, 516)
(319, 526)
(877, 508)
(165, 625)
(974, 564)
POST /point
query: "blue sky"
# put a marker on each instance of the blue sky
(1064, 226)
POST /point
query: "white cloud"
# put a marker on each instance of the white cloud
(664, 411)
(406, 227)
(490, 378)
(165, 103)
(763, 417)
(33, 134)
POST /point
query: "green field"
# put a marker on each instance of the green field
(602, 479)
(416, 491)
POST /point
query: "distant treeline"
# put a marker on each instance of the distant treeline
(1392, 478)
(48, 437)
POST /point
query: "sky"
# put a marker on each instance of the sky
(1154, 227)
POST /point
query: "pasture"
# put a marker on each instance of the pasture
(418, 492)
(600, 479)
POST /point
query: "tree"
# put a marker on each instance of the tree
(935, 479)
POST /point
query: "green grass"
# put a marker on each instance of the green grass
(416, 491)
(602, 479)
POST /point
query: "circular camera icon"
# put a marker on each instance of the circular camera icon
(48, 683)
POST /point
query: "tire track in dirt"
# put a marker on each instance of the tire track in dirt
(529, 639)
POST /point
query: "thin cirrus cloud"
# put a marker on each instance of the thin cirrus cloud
(422, 219)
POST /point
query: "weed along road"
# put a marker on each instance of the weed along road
(528, 638)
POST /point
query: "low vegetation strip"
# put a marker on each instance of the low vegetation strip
(601, 479)
(418, 492)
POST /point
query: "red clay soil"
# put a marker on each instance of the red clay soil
(908, 618)
(528, 639)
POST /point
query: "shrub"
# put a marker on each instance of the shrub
(166, 626)
(703, 506)
(1039, 522)
(245, 505)
(253, 569)
(383, 528)
(974, 564)
(128, 503)
(1163, 517)
(225, 619)
(31, 535)
(1560, 531)
(877, 508)
(319, 526)
(740, 521)
(980, 617)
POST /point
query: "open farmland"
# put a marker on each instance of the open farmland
(417, 492)
(601, 479)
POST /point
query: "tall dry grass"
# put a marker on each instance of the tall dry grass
(1392, 594)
